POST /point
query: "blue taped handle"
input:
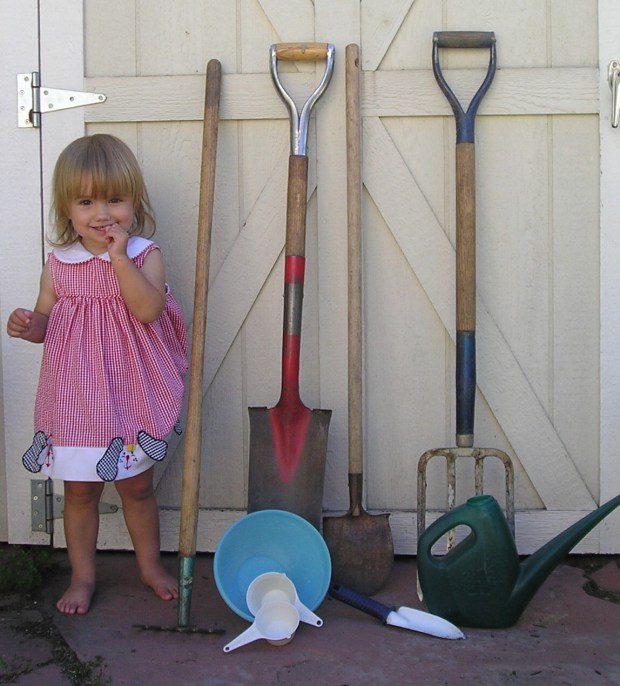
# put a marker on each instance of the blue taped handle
(465, 382)
(361, 602)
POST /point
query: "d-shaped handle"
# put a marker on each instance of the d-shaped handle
(308, 52)
(464, 39)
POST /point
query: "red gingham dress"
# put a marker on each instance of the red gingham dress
(110, 388)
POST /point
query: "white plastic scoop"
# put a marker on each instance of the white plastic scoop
(274, 586)
(275, 621)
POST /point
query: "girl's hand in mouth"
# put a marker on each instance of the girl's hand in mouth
(116, 238)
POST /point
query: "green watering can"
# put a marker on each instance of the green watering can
(480, 582)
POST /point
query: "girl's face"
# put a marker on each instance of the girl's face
(93, 217)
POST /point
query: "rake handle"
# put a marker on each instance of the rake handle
(354, 245)
(193, 433)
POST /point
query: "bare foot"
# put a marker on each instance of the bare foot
(76, 599)
(164, 585)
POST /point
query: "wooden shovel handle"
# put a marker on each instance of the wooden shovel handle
(193, 433)
(465, 238)
(354, 223)
(309, 52)
(296, 203)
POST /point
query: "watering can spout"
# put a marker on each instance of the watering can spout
(480, 582)
(538, 566)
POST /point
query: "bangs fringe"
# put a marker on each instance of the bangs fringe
(98, 166)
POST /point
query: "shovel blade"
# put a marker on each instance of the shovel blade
(302, 491)
(361, 550)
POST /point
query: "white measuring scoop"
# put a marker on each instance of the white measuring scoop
(276, 622)
(275, 586)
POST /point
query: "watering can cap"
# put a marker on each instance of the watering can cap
(271, 541)
(479, 500)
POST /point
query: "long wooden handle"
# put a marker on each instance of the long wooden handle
(296, 203)
(311, 52)
(465, 294)
(294, 272)
(465, 238)
(354, 222)
(193, 434)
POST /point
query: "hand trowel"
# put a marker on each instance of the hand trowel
(404, 617)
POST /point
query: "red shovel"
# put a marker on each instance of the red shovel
(288, 442)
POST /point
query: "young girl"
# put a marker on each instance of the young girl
(114, 356)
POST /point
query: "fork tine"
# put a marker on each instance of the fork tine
(450, 454)
(451, 473)
(479, 474)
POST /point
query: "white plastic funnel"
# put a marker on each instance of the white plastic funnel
(276, 621)
(274, 586)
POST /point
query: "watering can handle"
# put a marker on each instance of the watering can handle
(437, 529)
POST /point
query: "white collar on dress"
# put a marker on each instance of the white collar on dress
(76, 252)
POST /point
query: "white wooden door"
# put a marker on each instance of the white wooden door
(539, 295)
(47, 38)
(20, 262)
(609, 49)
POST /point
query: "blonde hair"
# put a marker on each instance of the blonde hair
(101, 165)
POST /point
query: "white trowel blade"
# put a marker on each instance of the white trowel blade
(416, 620)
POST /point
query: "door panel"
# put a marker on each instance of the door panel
(20, 267)
(609, 49)
(62, 66)
(538, 249)
(530, 351)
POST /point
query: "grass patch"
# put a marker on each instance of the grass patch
(91, 673)
(11, 671)
(24, 569)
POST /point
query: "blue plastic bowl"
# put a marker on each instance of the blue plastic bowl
(271, 541)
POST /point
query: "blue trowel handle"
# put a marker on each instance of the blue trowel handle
(361, 602)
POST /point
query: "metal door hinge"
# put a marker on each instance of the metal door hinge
(33, 99)
(46, 507)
